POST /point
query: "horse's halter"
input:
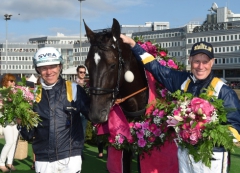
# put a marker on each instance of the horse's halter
(115, 91)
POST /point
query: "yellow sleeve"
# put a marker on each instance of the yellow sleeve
(235, 133)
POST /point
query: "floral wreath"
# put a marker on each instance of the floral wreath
(151, 130)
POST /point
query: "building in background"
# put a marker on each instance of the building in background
(221, 28)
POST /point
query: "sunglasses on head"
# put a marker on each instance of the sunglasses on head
(82, 72)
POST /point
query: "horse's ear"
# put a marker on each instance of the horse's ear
(89, 32)
(116, 29)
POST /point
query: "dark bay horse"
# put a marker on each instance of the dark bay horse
(108, 61)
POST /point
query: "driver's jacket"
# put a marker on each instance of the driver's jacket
(173, 81)
(60, 133)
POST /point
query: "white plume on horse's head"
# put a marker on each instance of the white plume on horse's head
(128, 76)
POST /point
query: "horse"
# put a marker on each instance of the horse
(108, 61)
(115, 76)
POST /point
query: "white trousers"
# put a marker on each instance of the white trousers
(187, 164)
(10, 133)
(68, 165)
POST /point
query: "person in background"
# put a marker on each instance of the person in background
(81, 73)
(10, 133)
(201, 60)
(58, 139)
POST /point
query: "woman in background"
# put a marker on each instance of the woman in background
(10, 133)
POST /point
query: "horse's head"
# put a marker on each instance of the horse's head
(107, 61)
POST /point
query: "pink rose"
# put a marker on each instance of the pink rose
(184, 134)
(121, 139)
(131, 125)
(172, 64)
(150, 48)
(111, 140)
(176, 112)
(162, 62)
(162, 53)
(138, 125)
(155, 112)
(198, 104)
(195, 136)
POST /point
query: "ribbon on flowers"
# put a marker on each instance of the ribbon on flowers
(117, 124)
(152, 91)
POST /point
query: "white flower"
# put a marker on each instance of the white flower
(157, 120)
(214, 116)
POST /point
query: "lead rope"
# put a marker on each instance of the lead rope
(118, 101)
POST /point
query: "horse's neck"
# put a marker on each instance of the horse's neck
(137, 101)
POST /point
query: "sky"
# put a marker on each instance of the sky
(40, 18)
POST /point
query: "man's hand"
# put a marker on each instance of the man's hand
(128, 40)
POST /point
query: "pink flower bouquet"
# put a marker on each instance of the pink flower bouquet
(199, 125)
(17, 102)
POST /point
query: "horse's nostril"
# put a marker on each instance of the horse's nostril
(104, 112)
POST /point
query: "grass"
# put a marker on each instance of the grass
(93, 164)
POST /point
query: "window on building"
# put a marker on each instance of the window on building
(232, 73)
(218, 73)
(235, 60)
(219, 61)
(223, 38)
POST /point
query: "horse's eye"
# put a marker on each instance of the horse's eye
(113, 66)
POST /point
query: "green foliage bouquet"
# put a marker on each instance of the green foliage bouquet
(17, 102)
